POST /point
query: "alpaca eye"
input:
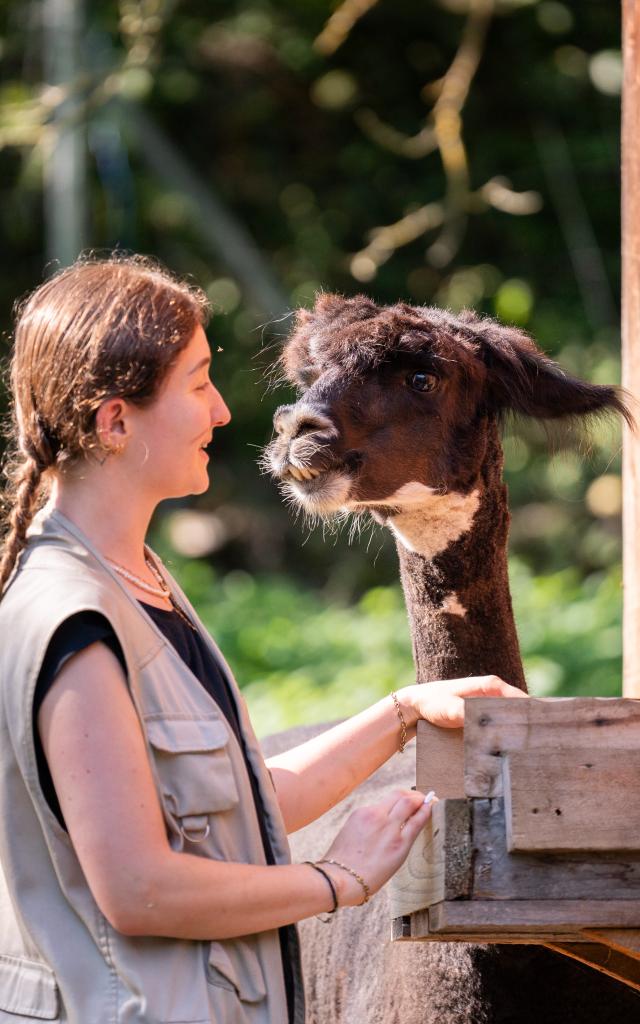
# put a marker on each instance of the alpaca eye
(422, 381)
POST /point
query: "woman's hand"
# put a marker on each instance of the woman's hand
(442, 703)
(374, 842)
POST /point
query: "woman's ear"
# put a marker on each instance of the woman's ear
(112, 424)
(522, 380)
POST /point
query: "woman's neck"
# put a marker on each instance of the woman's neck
(113, 516)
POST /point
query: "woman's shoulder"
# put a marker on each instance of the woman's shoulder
(54, 581)
(49, 579)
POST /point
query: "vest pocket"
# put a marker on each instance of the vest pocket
(234, 964)
(195, 769)
(28, 990)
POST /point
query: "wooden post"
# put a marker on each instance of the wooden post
(65, 187)
(631, 340)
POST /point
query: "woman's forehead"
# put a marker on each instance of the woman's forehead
(196, 354)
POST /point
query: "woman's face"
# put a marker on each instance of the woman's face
(168, 437)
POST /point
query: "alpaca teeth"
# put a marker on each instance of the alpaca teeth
(303, 473)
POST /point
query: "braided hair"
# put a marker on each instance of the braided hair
(98, 329)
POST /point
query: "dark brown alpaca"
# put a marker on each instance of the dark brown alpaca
(399, 417)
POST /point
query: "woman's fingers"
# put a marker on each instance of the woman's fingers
(488, 686)
(442, 702)
(376, 839)
(411, 828)
(407, 802)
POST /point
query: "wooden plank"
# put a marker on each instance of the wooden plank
(499, 875)
(586, 800)
(462, 916)
(609, 961)
(631, 342)
(625, 940)
(439, 864)
(440, 760)
(420, 931)
(401, 929)
(497, 726)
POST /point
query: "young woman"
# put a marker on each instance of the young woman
(144, 867)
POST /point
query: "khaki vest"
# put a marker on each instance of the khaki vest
(60, 959)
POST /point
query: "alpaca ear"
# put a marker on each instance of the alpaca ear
(327, 303)
(521, 379)
(303, 317)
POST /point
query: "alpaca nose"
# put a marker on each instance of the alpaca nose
(291, 421)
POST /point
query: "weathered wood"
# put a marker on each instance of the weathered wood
(400, 929)
(464, 916)
(440, 760)
(585, 800)
(421, 931)
(631, 341)
(609, 961)
(499, 875)
(497, 726)
(439, 865)
(625, 940)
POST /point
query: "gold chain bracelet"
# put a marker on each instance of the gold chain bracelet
(345, 867)
(403, 724)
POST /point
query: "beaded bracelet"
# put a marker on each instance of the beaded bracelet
(326, 875)
(365, 888)
(403, 724)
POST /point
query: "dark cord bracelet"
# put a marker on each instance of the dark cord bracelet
(326, 875)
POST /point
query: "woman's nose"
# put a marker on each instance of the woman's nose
(220, 414)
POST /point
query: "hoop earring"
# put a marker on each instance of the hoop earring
(146, 453)
(114, 449)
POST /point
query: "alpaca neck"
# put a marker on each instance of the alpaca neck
(453, 566)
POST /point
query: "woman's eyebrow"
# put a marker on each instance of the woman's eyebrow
(198, 366)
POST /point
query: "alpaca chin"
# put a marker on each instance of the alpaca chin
(324, 498)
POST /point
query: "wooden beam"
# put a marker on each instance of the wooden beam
(625, 940)
(586, 800)
(497, 726)
(609, 961)
(499, 875)
(631, 340)
(65, 157)
(420, 933)
(531, 916)
(439, 865)
(440, 760)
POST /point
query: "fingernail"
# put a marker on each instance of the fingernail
(430, 797)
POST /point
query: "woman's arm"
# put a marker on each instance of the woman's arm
(316, 775)
(96, 752)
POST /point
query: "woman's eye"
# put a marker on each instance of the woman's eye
(423, 381)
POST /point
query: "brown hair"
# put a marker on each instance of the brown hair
(98, 329)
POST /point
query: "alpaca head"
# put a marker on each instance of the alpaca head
(399, 403)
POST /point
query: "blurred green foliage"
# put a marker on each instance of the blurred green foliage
(297, 146)
(302, 656)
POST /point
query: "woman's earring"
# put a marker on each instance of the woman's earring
(112, 449)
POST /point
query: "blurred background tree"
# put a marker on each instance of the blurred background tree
(456, 152)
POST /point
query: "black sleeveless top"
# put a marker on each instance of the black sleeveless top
(85, 628)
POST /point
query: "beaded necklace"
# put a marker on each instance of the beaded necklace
(163, 590)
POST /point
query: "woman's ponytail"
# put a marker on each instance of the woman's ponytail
(26, 489)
